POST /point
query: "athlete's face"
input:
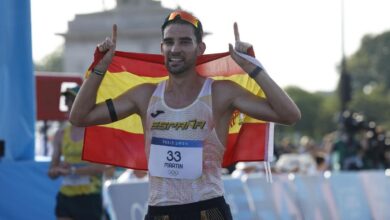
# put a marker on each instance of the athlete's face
(180, 48)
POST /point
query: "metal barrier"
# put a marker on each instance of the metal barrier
(347, 195)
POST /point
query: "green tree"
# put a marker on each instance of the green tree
(52, 62)
(370, 71)
(319, 111)
(370, 64)
(374, 104)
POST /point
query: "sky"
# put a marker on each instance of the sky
(298, 42)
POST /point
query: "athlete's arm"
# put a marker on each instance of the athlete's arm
(85, 111)
(56, 156)
(278, 107)
(90, 169)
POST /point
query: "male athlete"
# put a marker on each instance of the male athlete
(200, 106)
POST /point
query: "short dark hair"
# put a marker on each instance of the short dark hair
(198, 30)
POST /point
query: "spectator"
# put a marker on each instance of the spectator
(79, 197)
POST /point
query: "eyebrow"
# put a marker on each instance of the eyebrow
(181, 38)
(186, 38)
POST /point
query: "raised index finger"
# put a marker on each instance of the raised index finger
(236, 33)
(114, 33)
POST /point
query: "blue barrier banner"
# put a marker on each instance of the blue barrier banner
(349, 196)
(260, 197)
(26, 192)
(17, 92)
(284, 196)
(126, 200)
(342, 196)
(311, 195)
(237, 198)
(377, 191)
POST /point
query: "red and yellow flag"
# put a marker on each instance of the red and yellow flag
(122, 143)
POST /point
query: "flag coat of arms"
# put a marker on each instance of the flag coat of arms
(121, 143)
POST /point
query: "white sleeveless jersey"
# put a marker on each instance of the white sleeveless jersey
(193, 122)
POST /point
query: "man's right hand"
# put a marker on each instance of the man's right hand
(108, 48)
(53, 173)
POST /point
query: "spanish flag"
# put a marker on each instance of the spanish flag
(121, 143)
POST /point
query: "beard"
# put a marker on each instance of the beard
(177, 70)
(179, 67)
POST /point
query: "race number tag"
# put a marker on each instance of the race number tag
(75, 180)
(179, 159)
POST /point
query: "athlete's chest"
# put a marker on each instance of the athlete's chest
(196, 117)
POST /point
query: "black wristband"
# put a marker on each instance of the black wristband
(255, 72)
(98, 72)
(111, 110)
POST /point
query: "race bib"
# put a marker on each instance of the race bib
(75, 180)
(172, 158)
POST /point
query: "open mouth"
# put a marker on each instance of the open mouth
(175, 60)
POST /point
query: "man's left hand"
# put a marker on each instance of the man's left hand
(241, 47)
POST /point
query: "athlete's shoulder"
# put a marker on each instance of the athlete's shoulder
(223, 85)
(139, 96)
(148, 86)
(143, 89)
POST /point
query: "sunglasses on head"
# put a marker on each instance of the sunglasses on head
(184, 16)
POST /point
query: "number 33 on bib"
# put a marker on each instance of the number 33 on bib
(173, 158)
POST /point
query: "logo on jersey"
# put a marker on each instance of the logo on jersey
(155, 114)
(185, 125)
(237, 118)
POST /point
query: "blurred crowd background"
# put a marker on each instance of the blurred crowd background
(344, 129)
